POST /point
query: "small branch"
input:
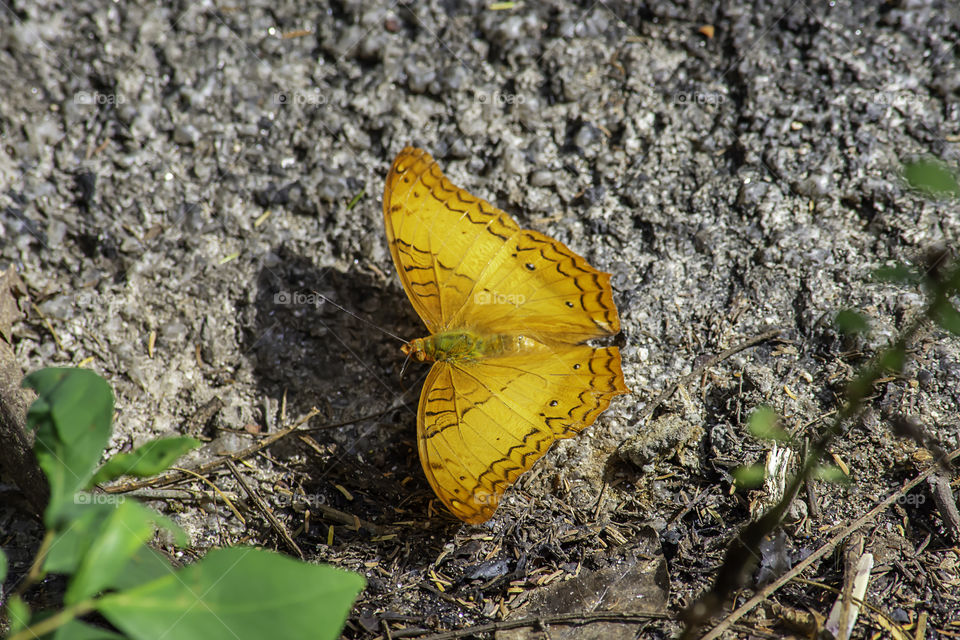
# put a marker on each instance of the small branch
(741, 556)
(216, 490)
(36, 572)
(349, 519)
(264, 509)
(55, 621)
(856, 576)
(574, 619)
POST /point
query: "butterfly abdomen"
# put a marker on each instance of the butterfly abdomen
(465, 346)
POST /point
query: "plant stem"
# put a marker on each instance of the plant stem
(36, 572)
(55, 621)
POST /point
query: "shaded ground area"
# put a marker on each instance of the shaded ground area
(197, 172)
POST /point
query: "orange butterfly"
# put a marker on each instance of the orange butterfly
(507, 309)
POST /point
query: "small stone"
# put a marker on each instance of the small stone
(543, 178)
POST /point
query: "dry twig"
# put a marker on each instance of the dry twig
(559, 619)
(264, 509)
(699, 369)
(172, 477)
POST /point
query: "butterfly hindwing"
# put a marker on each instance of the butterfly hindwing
(483, 424)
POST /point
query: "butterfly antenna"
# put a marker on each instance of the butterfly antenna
(325, 300)
(404, 367)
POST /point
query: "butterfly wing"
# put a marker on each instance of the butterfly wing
(440, 236)
(482, 424)
(541, 289)
(467, 265)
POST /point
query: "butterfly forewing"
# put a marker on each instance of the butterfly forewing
(466, 264)
(543, 287)
(440, 236)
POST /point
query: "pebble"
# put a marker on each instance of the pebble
(186, 134)
(543, 178)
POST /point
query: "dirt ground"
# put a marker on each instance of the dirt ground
(178, 180)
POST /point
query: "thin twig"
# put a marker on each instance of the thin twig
(37, 572)
(741, 556)
(45, 626)
(264, 509)
(177, 476)
(699, 369)
(47, 324)
(559, 619)
(216, 490)
(349, 519)
(875, 610)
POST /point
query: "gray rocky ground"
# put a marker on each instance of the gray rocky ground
(731, 184)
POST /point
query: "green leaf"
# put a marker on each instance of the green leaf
(75, 398)
(146, 565)
(18, 614)
(125, 530)
(77, 630)
(147, 460)
(932, 176)
(764, 423)
(70, 545)
(851, 322)
(749, 477)
(72, 417)
(3, 566)
(90, 520)
(947, 317)
(830, 473)
(893, 360)
(897, 274)
(237, 594)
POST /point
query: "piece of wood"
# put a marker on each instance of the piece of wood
(946, 504)
(856, 576)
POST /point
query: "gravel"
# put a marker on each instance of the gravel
(730, 184)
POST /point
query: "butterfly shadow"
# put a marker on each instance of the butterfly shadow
(347, 366)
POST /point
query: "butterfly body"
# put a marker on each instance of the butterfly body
(467, 346)
(508, 311)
